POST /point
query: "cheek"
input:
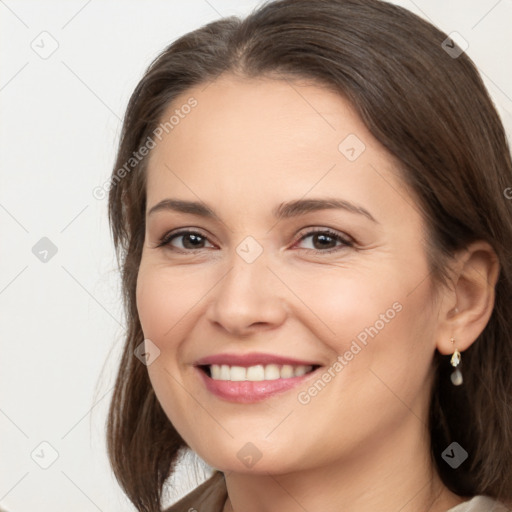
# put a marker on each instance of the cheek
(164, 303)
(344, 304)
(376, 321)
(165, 296)
(151, 297)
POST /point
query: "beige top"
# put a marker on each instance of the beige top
(211, 495)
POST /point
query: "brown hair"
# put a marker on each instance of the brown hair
(433, 113)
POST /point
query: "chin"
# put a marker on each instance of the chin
(251, 458)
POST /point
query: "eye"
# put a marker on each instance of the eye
(321, 241)
(184, 241)
(325, 240)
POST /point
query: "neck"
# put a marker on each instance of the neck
(389, 476)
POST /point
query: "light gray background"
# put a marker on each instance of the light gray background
(61, 319)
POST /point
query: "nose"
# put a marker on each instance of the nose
(247, 299)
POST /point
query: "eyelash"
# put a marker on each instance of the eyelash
(345, 242)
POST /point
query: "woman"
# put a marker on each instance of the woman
(309, 211)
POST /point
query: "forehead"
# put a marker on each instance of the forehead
(264, 139)
(286, 118)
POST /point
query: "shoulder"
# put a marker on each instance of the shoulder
(210, 496)
(480, 503)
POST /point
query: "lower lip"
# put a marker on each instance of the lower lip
(250, 391)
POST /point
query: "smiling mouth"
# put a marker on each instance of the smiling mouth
(256, 373)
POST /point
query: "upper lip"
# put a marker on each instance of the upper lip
(251, 359)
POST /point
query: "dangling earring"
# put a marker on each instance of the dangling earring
(456, 376)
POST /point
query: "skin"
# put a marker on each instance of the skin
(362, 441)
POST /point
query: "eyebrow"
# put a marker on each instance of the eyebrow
(283, 211)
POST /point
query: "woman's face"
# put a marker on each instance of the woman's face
(290, 311)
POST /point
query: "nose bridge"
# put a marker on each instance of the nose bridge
(248, 267)
(248, 293)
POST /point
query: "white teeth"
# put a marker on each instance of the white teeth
(225, 374)
(301, 370)
(238, 373)
(286, 371)
(258, 372)
(215, 372)
(272, 372)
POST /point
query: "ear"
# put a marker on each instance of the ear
(467, 303)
